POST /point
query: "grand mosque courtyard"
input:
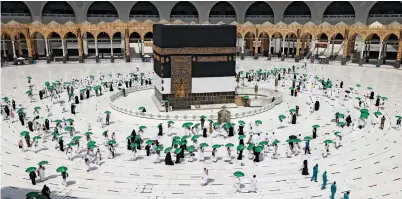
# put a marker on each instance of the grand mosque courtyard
(368, 163)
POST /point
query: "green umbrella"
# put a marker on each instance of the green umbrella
(28, 92)
(70, 120)
(129, 137)
(76, 137)
(190, 148)
(178, 150)
(55, 134)
(185, 137)
(37, 138)
(241, 137)
(296, 140)
(88, 133)
(398, 117)
(170, 122)
(104, 133)
(216, 124)
(292, 110)
(141, 108)
(258, 122)
(275, 142)
(30, 169)
(91, 142)
(246, 97)
(227, 125)
(47, 84)
(91, 146)
(369, 88)
(35, 195)
(68, 128)
(363, 116)
(176, 142)
(20, 110)
(350, 88)
(281, 117)
(384, 98)
(189, 123)
(358, 85)
(289, 140)
(363, 110)
(229, 145)
(111, 142)
(239, 174)
(195, 137)
(58, 121)
(149, 142)
(5, 99)
(341, 123)
(71, 144)
(67, 83)
(216, 146)
(196, 125)
(337, 133)
(340, 115)
(24, 133)
(167, 150)
(143, 127)
(358, 98)
(263, 143)
(211, 121)
(159, 148)
(61, 169)
(83, 90)
(291, 88)
(37, 108)
(328, 141)
(258, 149)
(203, 117)
(240, 147)
(316, 126)
(241, 122)
(176, 138)
(29, 77)
(377, 113)
(250, 147)
(108, 112)
(204, 145)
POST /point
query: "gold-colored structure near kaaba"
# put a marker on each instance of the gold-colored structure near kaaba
(303, 34)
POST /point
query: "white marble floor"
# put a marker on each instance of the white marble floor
(369, 163)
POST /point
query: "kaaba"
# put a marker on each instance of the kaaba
(194, 64)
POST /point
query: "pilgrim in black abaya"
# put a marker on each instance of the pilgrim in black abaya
(317, 105)
(305, 168)
(204, 132)
(294, 119)
(177, 159)
(160, 130)
(241, 127)
(240, 156)
(76, 100)
(168, 159)
(314, 133)
(231, 131)
(147, 148)
(61, 144)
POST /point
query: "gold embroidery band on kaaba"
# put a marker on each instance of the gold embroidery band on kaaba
(194, 50)
(212, 59)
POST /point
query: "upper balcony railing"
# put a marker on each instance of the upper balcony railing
(297, 16)
(16, 14)
(259, 16)
(184, 16)
(339, 16)
(221, 16)
(57, 15)
(103, 15)
(385, 15)
(144, 16)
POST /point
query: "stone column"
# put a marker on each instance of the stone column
(111, 50)
(127, 45)
(312, 51)
(399, 55)
(384, 54)
(283, 49)
(96, 51)
(332, 50)
(362, 53)
(4, 48)
(288, 51)
(142, 47)
(297, 57)
(262, 46)
(19, 47)
(14, 55)
(30, 50)
(345, 51)
(269, 48)
(242, 49)
(368, 52)
(85, 44)
(81, 48)
(63, 41)
(379, 53)
(256, 48)
(47, 51)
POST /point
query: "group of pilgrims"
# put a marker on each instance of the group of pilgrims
(258, 144)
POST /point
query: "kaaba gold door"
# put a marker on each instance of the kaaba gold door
(181, 75)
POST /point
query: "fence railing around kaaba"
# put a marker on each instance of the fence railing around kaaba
(181, 117)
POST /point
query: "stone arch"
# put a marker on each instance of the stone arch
(102, 8)
(144, 8)
(222, 11)
(249, 39)
(322, 37)
(59, 11)
(340, 8)
(390, 8)
(373, 37)
(265, 43)
(11, 7)
(259, 12)
(391, 40)
(337, 36)
(184, 9)
(103, 35)
(297, 8)
(88, 39)
(148, 36)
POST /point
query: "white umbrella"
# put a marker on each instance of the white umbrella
(147, 56)
(20, 58)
